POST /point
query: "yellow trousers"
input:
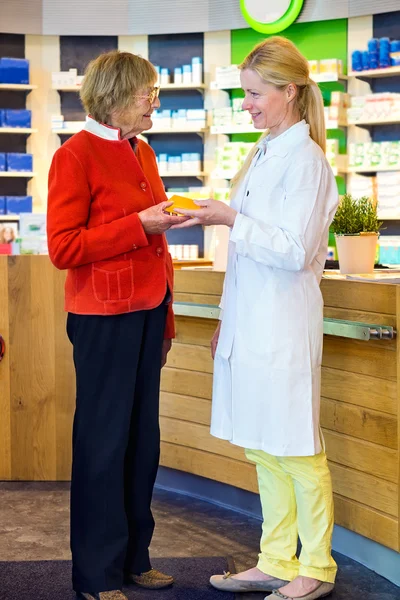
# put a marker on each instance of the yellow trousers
(296, 499)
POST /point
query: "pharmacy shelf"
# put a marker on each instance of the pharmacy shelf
(183, 174)
(166, 87)
(372, 169)
(231, 129)
(385, 121)
(66, 88)
(28, 174)
(9, 217)
(17, 87)
(317, 77)
(182, 86)
(194, 129)
(373, 73)
(66, 131)
(17, 130)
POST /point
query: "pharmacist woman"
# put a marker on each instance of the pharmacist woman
(106, 225)
(268, 345)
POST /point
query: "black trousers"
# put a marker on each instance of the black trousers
(116, 444)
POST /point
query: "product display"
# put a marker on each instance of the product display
(179, 119)
(182, 75)
(15, 118)
(229, 158)
(375, 155)
(381, 53)
(184, 163)
(19, 161)
(14, 70)
(374, 108)
(184, 251)
(16, 205)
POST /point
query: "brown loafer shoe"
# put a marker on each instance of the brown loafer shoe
(113, 595)
(151, 580)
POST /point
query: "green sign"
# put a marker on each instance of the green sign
(270, 16)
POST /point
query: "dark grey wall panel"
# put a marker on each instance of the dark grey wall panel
(90, 17)
(75, 53)
(21, 16)
(124, 17)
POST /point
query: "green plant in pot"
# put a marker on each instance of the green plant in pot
(356, 228)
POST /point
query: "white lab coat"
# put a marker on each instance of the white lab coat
(267, 371)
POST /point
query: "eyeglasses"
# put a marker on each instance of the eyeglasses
(152, 96)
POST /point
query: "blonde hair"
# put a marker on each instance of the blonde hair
(277, 60)
(111, 80)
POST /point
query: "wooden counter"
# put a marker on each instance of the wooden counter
(360, 389)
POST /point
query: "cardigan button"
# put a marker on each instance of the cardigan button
(143, 185)
(159, 251)
(134, 247)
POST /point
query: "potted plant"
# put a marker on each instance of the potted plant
(356, 228)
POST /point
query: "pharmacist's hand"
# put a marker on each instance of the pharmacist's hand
(214, 340)
(166, 347)
(156, 221)
(211, 212)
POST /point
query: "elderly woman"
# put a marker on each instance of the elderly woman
(106, 225)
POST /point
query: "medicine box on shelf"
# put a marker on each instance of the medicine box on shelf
(2, 205)
(18, 204)
(14, 70)
(17, 161)
(17, 118)
(2, 161)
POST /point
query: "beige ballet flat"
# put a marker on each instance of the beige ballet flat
(226, 583)
(324, 589)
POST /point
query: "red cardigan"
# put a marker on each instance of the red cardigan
(97, 186)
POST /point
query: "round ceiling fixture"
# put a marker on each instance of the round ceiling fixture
(270, 16)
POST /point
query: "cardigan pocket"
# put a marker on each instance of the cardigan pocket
(111, 281)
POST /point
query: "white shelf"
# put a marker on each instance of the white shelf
(194, 129)
(66, 88)
(28, 174)
(66, 131)
(182, 86)
(214, 85)
(372, 169)
(223, 174)
(388, 72)
(317, 77)
(385, 121)
(231, 129)
(183, 174)
(17, 87)
(328, 77)
(17, 130)
(9, 217)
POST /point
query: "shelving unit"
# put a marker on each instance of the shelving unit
(17, 87)
(374, 73)
(9, 217)
(385, 121)
(170, 130)
(184, 174)
(372, 169)
(165, 87)
(17, 130)
(318, 78)
(27, 174)
(66, 131)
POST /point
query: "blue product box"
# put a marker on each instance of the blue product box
(18, 204)
(2, 161)
(17, 118)
(2, 117)
(14, 70)
(2, 205)
(19, 162)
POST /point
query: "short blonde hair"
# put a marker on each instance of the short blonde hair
(277, 60)
(111, 80)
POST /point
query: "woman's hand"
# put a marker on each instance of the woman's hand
(166, 347)
(211, 212)
(214, 340)
(155, 221)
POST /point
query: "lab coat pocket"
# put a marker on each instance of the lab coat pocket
(113, 280)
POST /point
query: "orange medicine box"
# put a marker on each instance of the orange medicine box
(181, 202)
